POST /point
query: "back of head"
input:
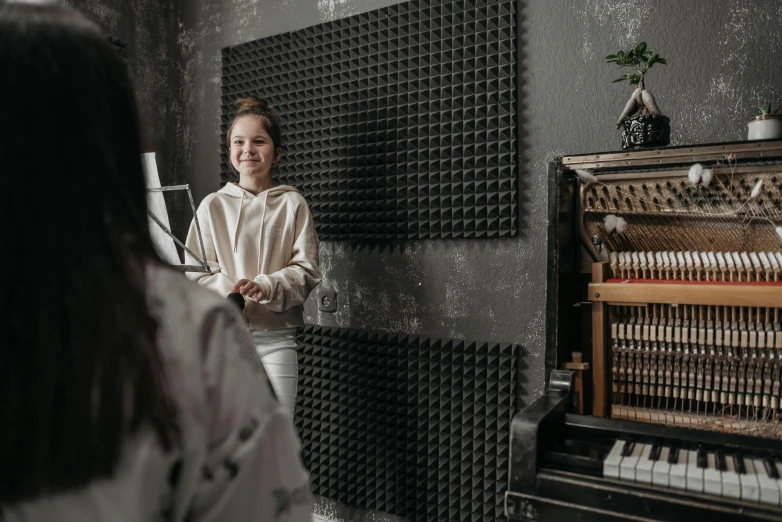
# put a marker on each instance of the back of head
(76, 341)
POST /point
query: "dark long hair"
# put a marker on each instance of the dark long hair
(79, 364)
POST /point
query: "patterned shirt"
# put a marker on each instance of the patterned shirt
(240, 456)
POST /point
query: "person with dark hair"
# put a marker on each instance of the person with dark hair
(126, 392)
(260, 239)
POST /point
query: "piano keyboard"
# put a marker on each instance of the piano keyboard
(714, 473)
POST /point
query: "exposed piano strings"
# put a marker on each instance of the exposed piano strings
(711, 367)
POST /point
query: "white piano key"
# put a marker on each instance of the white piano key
(750, 489)
(643, 471)
(628, 464)
(678, 478)
(661, 470)
(612, 460)
(694, 473)
(712, 477)
(731, 485)
(778, 465)
(769, 490)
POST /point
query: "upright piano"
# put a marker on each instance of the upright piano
(664, 344)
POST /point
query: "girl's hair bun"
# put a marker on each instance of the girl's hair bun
(251, 103)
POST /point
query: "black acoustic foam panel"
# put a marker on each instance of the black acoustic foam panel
(407, 425)
(398, 123)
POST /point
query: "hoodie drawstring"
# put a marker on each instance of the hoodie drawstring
(238, 219)
(260, 239)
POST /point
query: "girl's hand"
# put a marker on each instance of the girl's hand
(249, 289)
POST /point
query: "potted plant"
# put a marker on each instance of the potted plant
(765, 126)
(643, 124)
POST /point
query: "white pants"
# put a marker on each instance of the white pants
(277, 350)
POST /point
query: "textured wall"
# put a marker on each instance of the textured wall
(151, 29)
(722, 55)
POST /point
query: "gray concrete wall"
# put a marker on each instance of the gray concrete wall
(722, 55)
(151, 30)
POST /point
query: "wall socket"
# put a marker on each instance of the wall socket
(327, 300)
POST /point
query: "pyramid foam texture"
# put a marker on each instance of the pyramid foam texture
(407, 425)
(397, 123)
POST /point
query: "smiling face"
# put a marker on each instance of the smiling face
(252, 149)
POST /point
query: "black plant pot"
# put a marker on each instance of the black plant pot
(646, 130)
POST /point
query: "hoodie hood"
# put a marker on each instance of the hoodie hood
(235, 191)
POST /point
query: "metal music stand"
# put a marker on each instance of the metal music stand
(202, 267)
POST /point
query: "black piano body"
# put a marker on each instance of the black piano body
(557, 457)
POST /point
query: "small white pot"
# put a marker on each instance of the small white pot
(765, 127)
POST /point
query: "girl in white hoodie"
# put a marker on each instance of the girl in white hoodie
(260, 241)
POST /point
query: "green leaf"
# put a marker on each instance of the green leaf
(619, 80)
(611, 56)
(662, 61)
(640, 49)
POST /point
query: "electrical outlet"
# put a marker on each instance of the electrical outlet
(327, 300)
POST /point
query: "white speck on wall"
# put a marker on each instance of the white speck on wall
(455, 300)
(625, 19)
(588, 52)
(334, 9)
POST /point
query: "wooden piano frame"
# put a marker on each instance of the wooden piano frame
(603, 293)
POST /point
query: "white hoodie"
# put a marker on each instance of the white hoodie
(270, 239)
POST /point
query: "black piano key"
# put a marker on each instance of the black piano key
(673, 456)
(703, 459)
(738, 462)
(654, 454)
(628, 448)
(720, 458)
(771, 469)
